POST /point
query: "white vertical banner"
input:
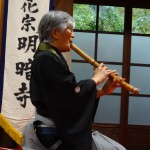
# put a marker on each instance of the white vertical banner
(21, 43)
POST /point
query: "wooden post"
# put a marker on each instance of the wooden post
(64, 5)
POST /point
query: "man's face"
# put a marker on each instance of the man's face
(65, 39)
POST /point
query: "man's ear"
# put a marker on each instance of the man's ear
(55, 34)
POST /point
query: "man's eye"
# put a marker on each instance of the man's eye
(71, 29)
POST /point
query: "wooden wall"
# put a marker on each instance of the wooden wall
(64, 6)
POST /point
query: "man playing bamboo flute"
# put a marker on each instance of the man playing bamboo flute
(65, 108)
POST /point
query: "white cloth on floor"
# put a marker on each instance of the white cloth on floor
(103, 142)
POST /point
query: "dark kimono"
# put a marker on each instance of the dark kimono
(56, 95)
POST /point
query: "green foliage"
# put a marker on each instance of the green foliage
(141, 21)
(84, 17)
(111, 19)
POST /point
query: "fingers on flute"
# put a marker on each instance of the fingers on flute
(101, 65)
(107, 70)
(112, 72)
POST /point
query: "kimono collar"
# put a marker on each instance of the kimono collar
(45, 46)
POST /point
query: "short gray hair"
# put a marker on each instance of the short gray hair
(53, 20)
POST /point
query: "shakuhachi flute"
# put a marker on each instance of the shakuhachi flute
(124, 84)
